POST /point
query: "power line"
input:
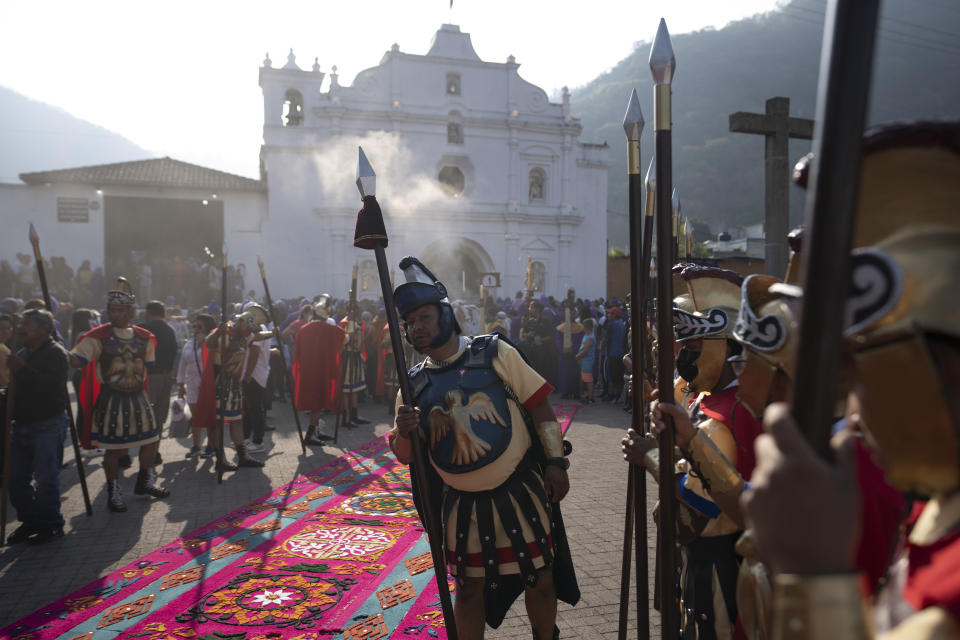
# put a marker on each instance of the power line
(907, 23)
(891, 35)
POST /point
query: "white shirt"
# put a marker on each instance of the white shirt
(190, 370)
(261, 370)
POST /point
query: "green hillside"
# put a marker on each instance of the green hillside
(720, 174)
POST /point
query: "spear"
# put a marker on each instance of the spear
(74, 436)
(283, 358)
(842, 95)
(222, 387)
(662, 65)
(635, 522)
(372, 234)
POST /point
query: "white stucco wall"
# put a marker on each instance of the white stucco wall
(399, 112)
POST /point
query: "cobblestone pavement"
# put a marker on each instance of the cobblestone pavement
(32, 576)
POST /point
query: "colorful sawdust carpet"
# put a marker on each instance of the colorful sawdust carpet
(338, 553)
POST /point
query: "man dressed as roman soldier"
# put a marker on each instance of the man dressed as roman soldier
(714, 427)
(902, 356)
(116, 411)
(222, 385)
(354, 369)
(497, 461)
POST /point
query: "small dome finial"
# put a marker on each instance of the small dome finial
(267, 62)
(291, 61)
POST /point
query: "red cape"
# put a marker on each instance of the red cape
(724, 407)
(89, 385)
(881, 508)
(932, 576)
(382, 354)
(205, 416)
(316, 366)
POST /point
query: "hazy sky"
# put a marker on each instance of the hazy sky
(180, 78)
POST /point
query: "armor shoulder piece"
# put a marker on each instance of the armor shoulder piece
(481, 351)
(933, 623)
(419, 380)
(721, 436)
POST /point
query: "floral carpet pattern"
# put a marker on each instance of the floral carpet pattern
(336, 554)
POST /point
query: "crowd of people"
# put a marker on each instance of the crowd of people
(127, 361)
(188, 282)
(773, 540)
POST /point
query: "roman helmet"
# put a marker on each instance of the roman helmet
(902, 316)
(122, 295)
(254, 316)
(715, 294)
(767, 327)
(422, 287)
(321, 307)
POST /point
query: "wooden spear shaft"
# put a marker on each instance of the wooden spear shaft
(419, 461)
(283, 358)
(663, 64)
(635, 520)
(842, 98)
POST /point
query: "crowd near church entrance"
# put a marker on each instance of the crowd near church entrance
(460, 264)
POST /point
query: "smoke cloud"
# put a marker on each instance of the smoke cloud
(402, 187)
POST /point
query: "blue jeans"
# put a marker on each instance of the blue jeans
(36, 453)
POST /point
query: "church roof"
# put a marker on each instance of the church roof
(155, 172)
(450, 42)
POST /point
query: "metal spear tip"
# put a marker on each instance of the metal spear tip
(651, 179)
(676, 202)
(34, 236)
(633, 119)
(366, 177)
(662, 63)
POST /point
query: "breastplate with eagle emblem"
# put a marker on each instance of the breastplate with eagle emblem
(465, 416)
(122, 365)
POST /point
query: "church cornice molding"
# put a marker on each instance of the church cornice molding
(482, 213)
(349, 112)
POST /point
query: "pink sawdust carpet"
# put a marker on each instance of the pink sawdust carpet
(337, 553)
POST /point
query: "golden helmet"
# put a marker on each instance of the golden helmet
(715, 296)
(767, 327)
(902, 319)
(902, 312)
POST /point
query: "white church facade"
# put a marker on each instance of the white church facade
(478, 173)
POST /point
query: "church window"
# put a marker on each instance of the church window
(538, 276)
(292, 108)
(455, 133)
(451, 181)
(538, 183)
(453, 84)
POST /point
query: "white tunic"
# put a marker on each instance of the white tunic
(190, 370)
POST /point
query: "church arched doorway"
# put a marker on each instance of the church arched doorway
(459, 264)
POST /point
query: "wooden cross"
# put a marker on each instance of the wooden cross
(777, 127)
